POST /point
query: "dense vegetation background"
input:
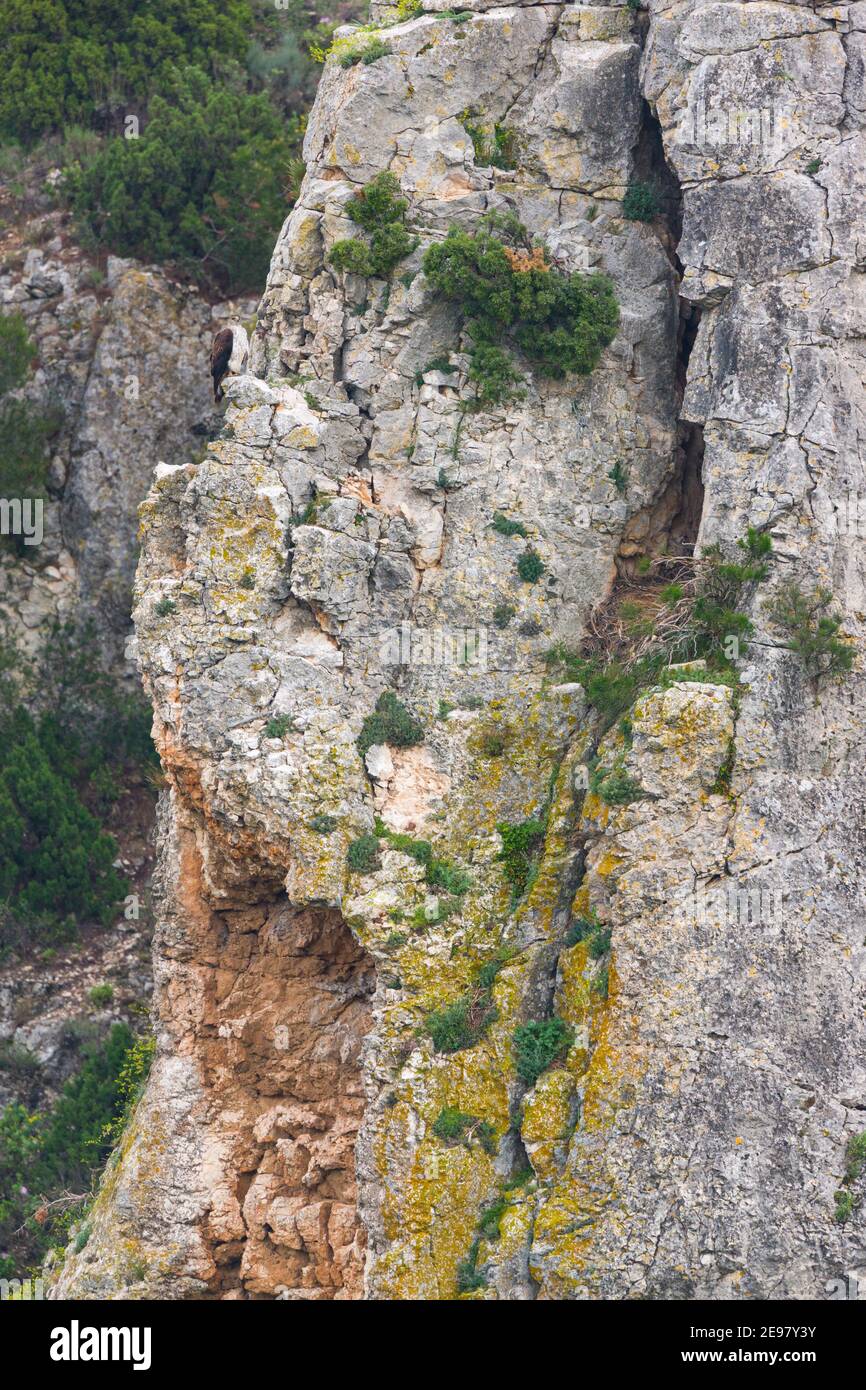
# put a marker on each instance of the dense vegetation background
(177, 127)
(177, 123)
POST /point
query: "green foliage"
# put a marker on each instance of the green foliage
(42, 1155)
(846, 1205)
(279, 725)
(56, 862)
(54, 857)
(855, 1156)
(640, 203)
(323, 824)
(100, 995)
(462, 1023)
(468, 1277)
(63, 59)
(619, 478)
(537, 1045)
(504, 526)
(164, 607)
(614, 786)
(530, 566)
(495, 144)
(502, 614)
(813, 630)
(391, 723)
(520, 844)
(508, 292)
(582, 928)
(600, 983)
(17, 351)
(362, 855)
(204, 185)
(25, 427)
(379, 210)
(452, 1126)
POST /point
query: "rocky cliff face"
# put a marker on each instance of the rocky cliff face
(122, 360)
(337, 542)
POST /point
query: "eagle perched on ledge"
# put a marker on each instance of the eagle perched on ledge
(229, 352)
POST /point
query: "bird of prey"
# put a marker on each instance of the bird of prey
(228, 354)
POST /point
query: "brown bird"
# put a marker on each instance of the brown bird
(228, 354)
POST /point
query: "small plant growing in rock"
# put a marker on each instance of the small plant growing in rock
(323, 824)
(520, 844)
(164, 606)
(502, 614)
(504, 526)
(813, 631)
(619, 478)
(362, 855)
(100, 995)
(462, 1023)
(640, 203)
(247, 579)
(390, 723)
(379, 210)
(615, 787)
(600, 985)
(530, 567)
(452, 1126)
(278, 726)
(537, 1045)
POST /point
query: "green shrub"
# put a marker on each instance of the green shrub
(362, 855)
(462, 1023)
(846, 1205)
(25, 426)
(279, 725)
(100, 995)
(640, 203)
(601, 983)
(582, 928)
(520, 844)
(47, 1155)
(54, 857)
(391, 723)
(164, 607)
(502, 614)
(468, 1277)
(615, 787)
(203, 187)
(537, 1045)
(504, 526)
(323, 824)
(451, 1125)
(17, 352)
(382, 214)
(619, 478)
(61, 59)
(812, 630)
(495, 145)
(855, 1155)
(508, 292)
(530, 567)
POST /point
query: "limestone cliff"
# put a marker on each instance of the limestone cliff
(689, 1141)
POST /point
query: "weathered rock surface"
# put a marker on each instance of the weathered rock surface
(689, 1142)
(123, 358)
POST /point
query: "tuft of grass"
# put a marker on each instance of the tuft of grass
(530, 567)
(521, 842)
(640, 203)
(362, 855)
(505, 526)
(323, 824)
(279, 725)
(538, 1044)
(390, 723)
